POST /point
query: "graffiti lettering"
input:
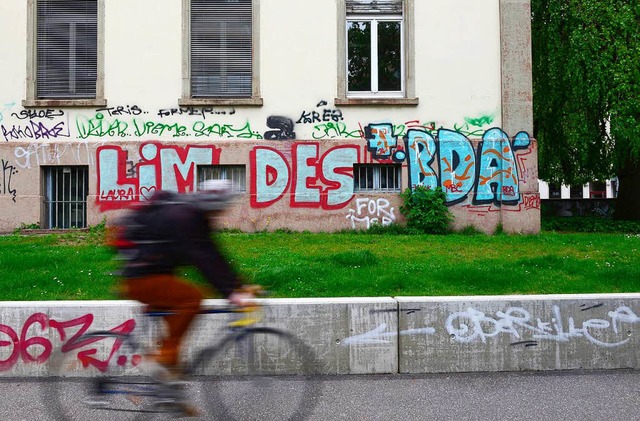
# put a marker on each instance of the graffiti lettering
(38, 349)
(314, 181)
(160, 167)
(120, 110)
(202, 112)
(100, 127)
(35, 130)
(30, 114)
(473, 325)
(493, 174)
(335, 130)
(158, 129)
(7, 172)
(371, 211)
(224, 131)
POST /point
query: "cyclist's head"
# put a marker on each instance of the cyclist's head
(212, 195)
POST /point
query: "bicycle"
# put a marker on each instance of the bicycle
(255, 354)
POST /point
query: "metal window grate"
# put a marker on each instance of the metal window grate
(65, 191)
(377, 178)
(237, 174)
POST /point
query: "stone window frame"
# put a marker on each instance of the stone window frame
(32, 64)
(408, 15)
(187, 99)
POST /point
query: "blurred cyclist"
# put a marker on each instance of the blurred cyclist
(173, 230)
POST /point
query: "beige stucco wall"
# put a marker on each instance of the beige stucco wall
(458, 83)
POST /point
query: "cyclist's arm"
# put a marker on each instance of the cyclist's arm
(194, 242)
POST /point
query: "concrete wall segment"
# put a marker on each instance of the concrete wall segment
(358, 335)
(520, 333)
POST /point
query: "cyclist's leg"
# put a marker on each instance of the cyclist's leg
(171, 293)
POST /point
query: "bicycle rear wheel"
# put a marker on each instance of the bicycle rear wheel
(99, 381)
(261, 374)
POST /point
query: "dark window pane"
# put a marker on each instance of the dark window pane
(389, 56)
(359, 58)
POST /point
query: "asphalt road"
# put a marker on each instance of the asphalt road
(566, 395)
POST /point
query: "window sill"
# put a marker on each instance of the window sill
(91, 102)
(255, 101)
(376, 101)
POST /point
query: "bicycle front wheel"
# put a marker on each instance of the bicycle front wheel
(260, 374)
(101, 383)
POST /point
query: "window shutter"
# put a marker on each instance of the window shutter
(221, 48)
(67, 42)
(374, 6)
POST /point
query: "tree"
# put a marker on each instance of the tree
(586, 94)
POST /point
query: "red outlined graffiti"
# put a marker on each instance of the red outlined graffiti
(37, 349)
(312, 180)
(160, 166)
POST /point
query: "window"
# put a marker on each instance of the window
(237, 174)
(554, 191)
(375, 64)
(219, 52)
(65, 57)
(65, 191)
(377, 178)
(597, 190)
(576, 191)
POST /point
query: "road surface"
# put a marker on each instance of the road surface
(566, 395)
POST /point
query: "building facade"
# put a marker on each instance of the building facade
(320, 112)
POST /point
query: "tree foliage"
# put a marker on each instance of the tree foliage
(586, 91)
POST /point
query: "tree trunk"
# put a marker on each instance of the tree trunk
(628, 201)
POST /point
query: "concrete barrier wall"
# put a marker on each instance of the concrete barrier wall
(357, 335)
(513, 333)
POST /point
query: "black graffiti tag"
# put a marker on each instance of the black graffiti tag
(7, 172)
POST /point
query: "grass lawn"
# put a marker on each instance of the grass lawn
(78, 266)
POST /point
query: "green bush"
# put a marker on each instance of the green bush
(425, 210)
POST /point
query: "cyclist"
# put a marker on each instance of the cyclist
(172, 230)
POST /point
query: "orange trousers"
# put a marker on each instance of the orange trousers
(167, 292)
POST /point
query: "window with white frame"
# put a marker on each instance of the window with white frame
(65, 57)
(376, 52)
(237, 174)
(374, 55)
(219, 49)
(377, 178)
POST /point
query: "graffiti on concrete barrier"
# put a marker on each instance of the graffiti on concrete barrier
(471, 325)
(379, 336)
(34, 342)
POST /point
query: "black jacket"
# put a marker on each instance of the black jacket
(171, 232)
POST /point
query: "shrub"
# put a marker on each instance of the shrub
(425, 210)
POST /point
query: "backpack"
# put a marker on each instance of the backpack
(135, 227)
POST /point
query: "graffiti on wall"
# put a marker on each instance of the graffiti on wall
(473, 326)
(33, 343)
(8, 171)
(371, 211)
(309, 178)
(481, 177)
(449, 161)
(36, 339)
(165, 167)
